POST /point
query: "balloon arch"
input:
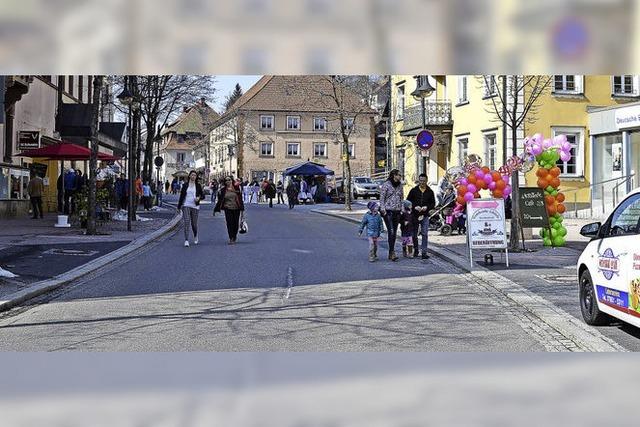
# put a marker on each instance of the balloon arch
(472, 177)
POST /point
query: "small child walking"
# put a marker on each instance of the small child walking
(372, 221)
(406, 229)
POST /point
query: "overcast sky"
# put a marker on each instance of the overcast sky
(226, 83)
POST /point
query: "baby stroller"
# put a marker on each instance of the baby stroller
(441, 217)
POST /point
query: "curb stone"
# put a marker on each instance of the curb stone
(44, 286)
(585, 337)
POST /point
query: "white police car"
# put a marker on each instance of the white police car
(609, 267)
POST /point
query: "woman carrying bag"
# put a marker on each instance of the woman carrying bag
(189, 203)
(230, 200)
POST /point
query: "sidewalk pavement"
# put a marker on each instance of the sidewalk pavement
(37, 252)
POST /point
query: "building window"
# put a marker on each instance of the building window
(575, 136)
(348, 124)
(293, 122)
(400, 108)
(71, 85)
(571, 84)
(490, 150)
(180, 157)
(320, 149)
(266, 122)
(462, 89)
(293, 149)
(489, 86)
(266, 149)
(319, 124)
(352, 151)
(463, 149)
(626, 85)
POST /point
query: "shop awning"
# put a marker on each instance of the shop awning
(66, 151)
(308, 169)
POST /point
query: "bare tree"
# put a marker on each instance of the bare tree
(93, 159)
(347, 100)
(162, 99)
(515, 103)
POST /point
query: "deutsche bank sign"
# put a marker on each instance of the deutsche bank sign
(628, 117)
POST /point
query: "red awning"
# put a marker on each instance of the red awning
(66, 151)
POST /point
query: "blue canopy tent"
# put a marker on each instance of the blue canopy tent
(308, 169)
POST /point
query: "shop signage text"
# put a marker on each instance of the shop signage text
(628, 117)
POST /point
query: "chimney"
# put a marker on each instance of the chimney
(185, 109)
(202, 101)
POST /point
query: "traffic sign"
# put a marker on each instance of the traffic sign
(424, 139)
(158, 161)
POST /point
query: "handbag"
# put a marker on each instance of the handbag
(244, 228)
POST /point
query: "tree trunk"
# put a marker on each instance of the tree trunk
(514, 241)
(347, 174)
(93, 159)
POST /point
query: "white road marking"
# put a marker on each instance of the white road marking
(287, 292)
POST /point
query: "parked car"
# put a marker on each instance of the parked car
(609, 267)
(363, 186)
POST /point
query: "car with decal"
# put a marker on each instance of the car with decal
(609, 267)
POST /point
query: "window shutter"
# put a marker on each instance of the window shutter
(579, 83)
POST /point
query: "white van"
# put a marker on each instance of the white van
(609, 267)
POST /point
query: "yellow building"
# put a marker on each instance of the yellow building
(406, 122)
(562, 109)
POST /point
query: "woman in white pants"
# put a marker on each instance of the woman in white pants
(189, 203)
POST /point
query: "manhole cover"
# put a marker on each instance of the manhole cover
(70, 252)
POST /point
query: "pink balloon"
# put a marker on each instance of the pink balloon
(546, 144)
(479, 174)
(537, 138)
(536, 149)
(488, 178)
(506, 191)
(471, 188)
(566, 146)
(468, 196)
(492, 186)
(559, 140)
(463, 181)
(564, 156)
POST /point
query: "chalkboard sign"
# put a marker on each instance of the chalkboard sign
(533, 210)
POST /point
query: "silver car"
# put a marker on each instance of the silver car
(363, 186)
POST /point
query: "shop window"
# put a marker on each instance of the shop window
(5, 183)
(574, 167)
(19, 183)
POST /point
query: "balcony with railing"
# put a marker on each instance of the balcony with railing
(437, 113)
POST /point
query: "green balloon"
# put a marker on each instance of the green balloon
(557, 226)
(552, 220)
(554, 233)
(558, 241)
(562, 232)
(550, 189)
(559, 218)
(546, 242)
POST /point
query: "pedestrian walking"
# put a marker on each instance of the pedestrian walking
(69, 191)
(406, 229)
(263, 190)
(372, 221)
(292, 193)
(146, 196)
(214, 193)
(391, 196)
(167, 186)
(423, 201)
(159, 193)
(280, 191)
(35, 188)
(138, 192)
(270, 192)
(255, 191)
(230, 201)
(189, 203)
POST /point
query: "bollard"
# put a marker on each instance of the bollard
(488, 259)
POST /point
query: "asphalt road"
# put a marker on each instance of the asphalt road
(297, 281)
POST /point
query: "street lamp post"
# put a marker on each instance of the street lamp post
(126, 98)
(423, 90)
(158, 139)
